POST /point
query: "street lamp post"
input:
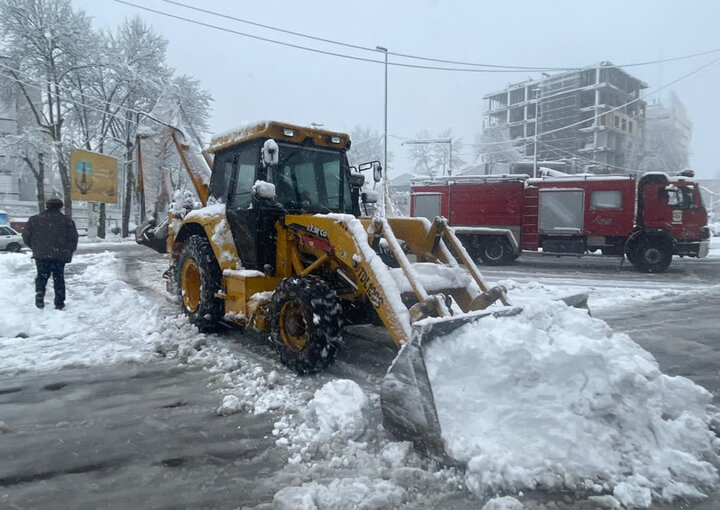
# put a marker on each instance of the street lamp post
(385, 131)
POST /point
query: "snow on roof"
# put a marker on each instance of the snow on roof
(282, 131)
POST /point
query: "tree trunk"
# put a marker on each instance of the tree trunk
(102, 220)
(67, 188)
(40, 182)
(129, 187)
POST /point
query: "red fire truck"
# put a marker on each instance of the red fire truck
(648, 220)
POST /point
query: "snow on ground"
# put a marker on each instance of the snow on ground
(99, 307)
(714, 248)
(563, 403)
(339, 455)
(107, 321)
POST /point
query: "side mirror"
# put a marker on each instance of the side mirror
(356, 178)
(270, 152)
(262, 189)
(376, 168)
(369, 197)
(377, 171)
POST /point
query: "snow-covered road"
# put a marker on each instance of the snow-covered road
(335, 450)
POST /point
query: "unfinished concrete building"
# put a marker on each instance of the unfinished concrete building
(575, 117)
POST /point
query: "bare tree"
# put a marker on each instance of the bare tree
(493, 145)
(432, 155)
(28, 147)
(367, 145)
(661, 151)
(50, 42)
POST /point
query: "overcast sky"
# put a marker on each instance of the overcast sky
(253, 80)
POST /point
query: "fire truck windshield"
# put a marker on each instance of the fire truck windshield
(680, 197)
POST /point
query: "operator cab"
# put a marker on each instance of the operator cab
(307, 168)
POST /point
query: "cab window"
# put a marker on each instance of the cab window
(680, 197)
(245, 164)
(311, 179)
(222, 174)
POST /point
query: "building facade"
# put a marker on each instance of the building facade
(592, 116)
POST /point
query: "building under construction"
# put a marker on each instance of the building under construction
(591, 116)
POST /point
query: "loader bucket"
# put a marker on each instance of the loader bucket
(406, 397)
(152, 235)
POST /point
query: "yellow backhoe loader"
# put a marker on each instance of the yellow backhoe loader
(280, 246)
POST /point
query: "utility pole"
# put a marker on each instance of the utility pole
(537, 130)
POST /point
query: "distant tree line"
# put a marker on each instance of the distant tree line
(84, 88)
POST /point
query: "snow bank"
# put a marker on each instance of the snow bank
(715, 246)
(347, 461)
(553, 399)
(503, 503)
(339, 407)
(106, 321)
(336, 413)
(361, 493)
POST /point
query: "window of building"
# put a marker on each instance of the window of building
(617, 121)
(624, 124)
(517, 96)
(606, 200)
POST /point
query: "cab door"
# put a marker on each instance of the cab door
(241, 215)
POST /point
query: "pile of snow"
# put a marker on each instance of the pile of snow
(503, 503)
(602, 298)
(553, 399)
(105, 321)
(715, 245)
(357, 493)
(344, 459)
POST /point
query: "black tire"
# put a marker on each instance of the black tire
(650, 254)
(495, 251)
(13, 247)
(198, 279)
(306, 323)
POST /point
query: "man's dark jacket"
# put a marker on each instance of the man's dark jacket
(51, 235)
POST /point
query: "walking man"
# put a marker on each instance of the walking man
(53, 239)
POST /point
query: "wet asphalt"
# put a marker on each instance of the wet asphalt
(147, 436)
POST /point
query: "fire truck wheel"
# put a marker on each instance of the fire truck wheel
(198, 279)
(651, 255)
(306, 321)
(495, 251)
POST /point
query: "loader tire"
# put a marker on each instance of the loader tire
(198, 280)
(650, 254)
(306, 323)
(495, 251)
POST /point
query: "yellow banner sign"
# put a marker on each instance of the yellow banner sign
(94, 177)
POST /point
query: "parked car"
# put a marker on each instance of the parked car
(10, 240)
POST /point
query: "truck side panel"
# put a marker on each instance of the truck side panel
(492, 205)
(609, 205)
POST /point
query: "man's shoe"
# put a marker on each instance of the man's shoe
(59, 306)
(39, 302)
